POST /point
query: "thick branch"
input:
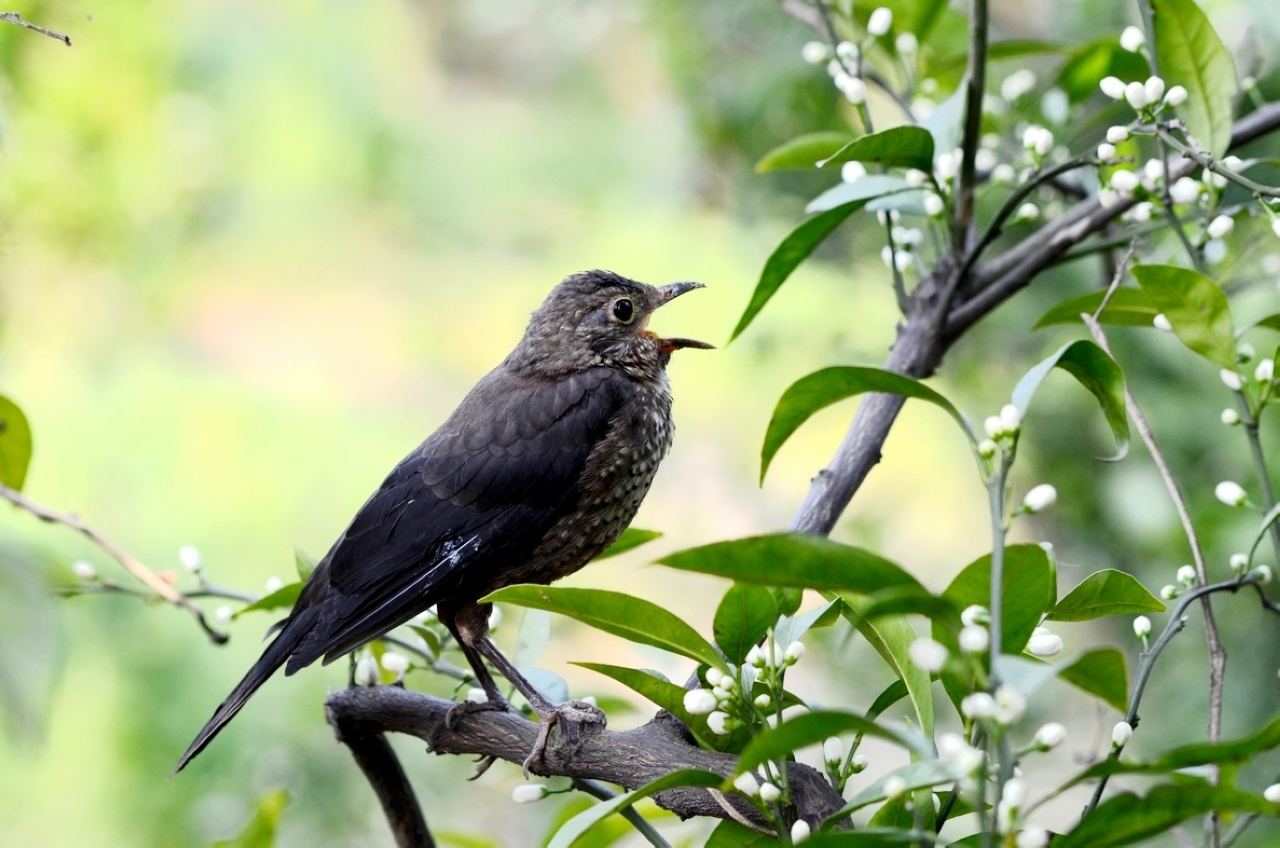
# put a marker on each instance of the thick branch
(376, 758)
(629, 758)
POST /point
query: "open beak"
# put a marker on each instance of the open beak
(670, 292)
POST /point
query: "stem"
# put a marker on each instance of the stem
(15, 18)
(639, 822)
(1264, 475)
(998, 747)
(975, 85)
(1208, 162)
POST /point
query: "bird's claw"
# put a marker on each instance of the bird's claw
(466, 708)
(573, 717)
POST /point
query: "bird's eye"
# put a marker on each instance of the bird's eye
(624, 310)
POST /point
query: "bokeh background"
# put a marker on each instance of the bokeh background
(253, 252)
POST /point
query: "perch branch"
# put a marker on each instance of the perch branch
(15, 18)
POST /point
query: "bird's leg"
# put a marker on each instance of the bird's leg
(461, 624)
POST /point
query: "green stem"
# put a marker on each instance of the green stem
(1264, 474)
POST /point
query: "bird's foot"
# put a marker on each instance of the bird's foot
(465, 708)
(573, 717)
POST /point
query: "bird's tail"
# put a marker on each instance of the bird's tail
(272, 658)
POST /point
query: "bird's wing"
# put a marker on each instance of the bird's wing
(477, 495)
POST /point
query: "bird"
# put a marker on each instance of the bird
(540, 468)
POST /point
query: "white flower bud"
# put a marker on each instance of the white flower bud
(223, 614)
(1112, 87)
(974, 639)
(1275, 226)
(1014, 794)
(713, 676)
(1142, 213)
(769, 793)
(858, 763)
(987, 448)
(718, 723)
(1154, 87)
(1215, 251)
(367, 672)
(946, 165)
(1106, 152)
(476, 695)
(915, 177)
(1266, 371)
(1238, 562)
(975, 614)
(1230, 493)
(833, 750)
(1050, 736)
(1161, 322)
(747, 784)
(1107, 197)
(933, 204)
(1135, 94)
(763, 701)
(851, 172)
(993, 426)
(84, 570)
(1132, 39)
(699, 702)
(755, 657)
(794, 652)
(1233, 163)
(1221, 226)
(1176, 96)
(1186, 575)
(528, 793)
(815, 52)
(1117, 134)
(1032, 837)
(848, 51)
(978, 705)
(1038, 140)
(273, 584)
(1027, 212)
(1010, 704)
(495, 619)
(1272, 793)
(1185, 190)
(1168, 592)
(1141, 626)
(1010, 418)
(189, 556)
(395, 662)
(1125, 182)
(894, 786)
(1040, 498)
(927, 655)
(1043, 643)
(1003, 173)
(854, 89)
(1017, 84)
(907, 43)
(1245, 352)
(1263, 574)
(799, 831)
(880, 22)
(1230, 379)
(1121, 734)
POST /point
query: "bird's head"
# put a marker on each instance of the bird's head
(600, 318)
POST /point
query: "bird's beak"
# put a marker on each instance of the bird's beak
(668, 293)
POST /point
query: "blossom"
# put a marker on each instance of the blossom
(1106, 152)
(851, 172)
(395, 662)
(978, 705)
(718, 723)
(1010, 418)
(1263, 574)
(699, 702)
(1040, 498)
(1215, 251)
(915, 177)
(1044, 643)
(1117, 134)
(815, 52)
(1107, 198)
(933, 205)
(1230, 493)
(793, 653)
(1141, 627)
(1238, 562)
(747, 784)
(894, 786)
(1154, 87)
(799, 831)
(974, 614)
(1121, 734)
(1233, 163)
(1132, 39)
(763, 700)
(880, 21)
(1010, 704)
(366, 673)
(223, 614)
(1014, 793)
(1272, 793)
(1032, 837)
(476, 695)
(528, 793)
(1112, 87)
(1186, 575)
(189, 556)
(1176, 96)
(1027, 212)
(273, 584)
(1038, 140)
(1275, 226)
(1050, 736)
(974, 639)
(1135, 94)
(854, 89)
(1124, 181)
(907, 43)
(1230, 379)
(1184, 190)
(962, 756)
(1266, 371)
(84, 570)
(1220, 226)
(1003, 173)
(1161, 322)
(927, 655)
(848, 51)
(1017, 84)
(769, 793)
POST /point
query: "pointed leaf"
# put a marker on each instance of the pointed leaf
(830, 385)
(260, 832)
(577, 826)
(1029, 591)
(1103, 593)
(1271, 322)
(921, 775)
(744, 616)
(899, 147)
(660, 691)
(803, 152)
(1126, 819)
(810, 729)
(285, 596)
(617, 613)
(788, 255)
(1097, 372)
(304, 563)
(1126, 307)
(1100, 672)
(891, 637)
(1195, 754)
(632, 537)
(1190, 53)
(1196, 307)
(15, 445)
(875, 185)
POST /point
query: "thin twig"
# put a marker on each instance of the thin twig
(975, 84)
(1208, 162)
(631, 814)
(15, 18)
(134, 566)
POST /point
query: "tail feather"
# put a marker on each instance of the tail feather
(272, 658)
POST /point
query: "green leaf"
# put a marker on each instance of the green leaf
(944, 123)
(304, 563)
(921, 775)
(15, 445)
(260, 832)
(1029, 591)
(899, 147)
(1190, 756)
(822, 388)
(1271, 322)
(574, 829)
(891, 637)
(730, 834)
(802, 152)
(617, 613)
(1125, 819)
(810, 729)
(1126, 308)
(868, 837)
(875, 185)
(744, 616)
(1097, 372)
(1196, 307)
(1103, 593)
(285, 596)
(788, 255)
(1090, 62)
(1189, 53)
(793, 559)
(1100, 672)
(632, 537)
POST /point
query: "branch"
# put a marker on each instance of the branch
(134, 566)
(629, 758)
(975, 82)
(15, 18)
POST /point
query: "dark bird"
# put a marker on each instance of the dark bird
(538, 470)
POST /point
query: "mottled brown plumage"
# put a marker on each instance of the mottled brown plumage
(538, 470)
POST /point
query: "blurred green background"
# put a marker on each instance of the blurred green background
(253, 252)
